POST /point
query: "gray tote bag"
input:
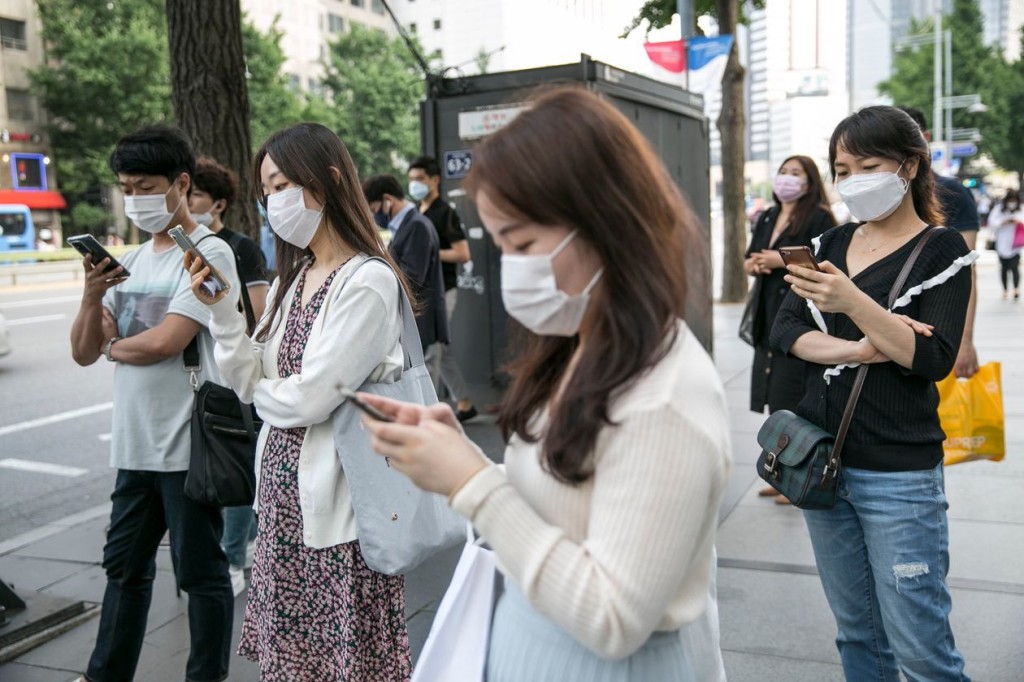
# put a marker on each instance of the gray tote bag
(399, 525)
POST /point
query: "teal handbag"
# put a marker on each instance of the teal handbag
(801, 460)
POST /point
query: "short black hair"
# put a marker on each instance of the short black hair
(917, 115)
(216, 180)
(376, 186)
(154, 150)
(428, 164)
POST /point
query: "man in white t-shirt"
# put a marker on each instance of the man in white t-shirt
(142, 323)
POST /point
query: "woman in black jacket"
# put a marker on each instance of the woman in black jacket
(800, 215)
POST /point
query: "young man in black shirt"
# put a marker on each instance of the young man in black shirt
(214, 189)
(425, 188)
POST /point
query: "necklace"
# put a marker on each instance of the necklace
(872, 249)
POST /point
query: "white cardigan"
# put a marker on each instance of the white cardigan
(355, 337)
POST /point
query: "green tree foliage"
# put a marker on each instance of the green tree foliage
(107, 74)
(659, 13)
(373, 86)
(1004, 129)
(272, 103)
(975, 71)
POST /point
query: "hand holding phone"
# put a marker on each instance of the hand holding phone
(87, 245)
(371, 411)
(214, 282)
(799, 255)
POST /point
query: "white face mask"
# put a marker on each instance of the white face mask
(418, 190)
(532, 297)
(149, 211)
(203, 218)
(873, 196)
(290, 219)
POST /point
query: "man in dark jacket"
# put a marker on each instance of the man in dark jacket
(414, 245)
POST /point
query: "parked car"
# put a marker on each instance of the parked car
(5, 336)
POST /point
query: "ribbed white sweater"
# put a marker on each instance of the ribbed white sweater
(627, 552)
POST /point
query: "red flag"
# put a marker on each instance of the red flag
(669, 55)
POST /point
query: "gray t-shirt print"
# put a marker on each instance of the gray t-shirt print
(153, 403)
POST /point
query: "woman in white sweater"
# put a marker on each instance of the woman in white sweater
(315, 611)
(604, 520)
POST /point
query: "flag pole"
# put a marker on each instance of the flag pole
(686, 24)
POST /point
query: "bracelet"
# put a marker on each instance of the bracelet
(462, 484)
(109, 347)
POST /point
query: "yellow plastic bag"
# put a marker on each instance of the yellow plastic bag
(971, 412)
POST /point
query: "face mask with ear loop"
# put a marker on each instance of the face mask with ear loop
(149, 211)
(874, 196)
(531, 294)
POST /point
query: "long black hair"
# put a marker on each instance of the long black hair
(305, 153)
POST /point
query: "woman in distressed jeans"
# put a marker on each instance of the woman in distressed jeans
(882, 551)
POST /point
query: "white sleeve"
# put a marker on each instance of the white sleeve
(360, 327)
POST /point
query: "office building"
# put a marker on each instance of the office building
(27, 175)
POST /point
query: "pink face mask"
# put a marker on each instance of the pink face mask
(788, 187)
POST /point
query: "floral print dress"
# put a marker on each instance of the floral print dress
(314, 615)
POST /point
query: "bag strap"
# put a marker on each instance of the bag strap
(832, 468)
(413, 352)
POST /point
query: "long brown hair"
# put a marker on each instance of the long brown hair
(572, 159)
(890, 133)
(812, 199)
(305, 154)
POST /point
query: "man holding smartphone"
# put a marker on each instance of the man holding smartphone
(143, 324)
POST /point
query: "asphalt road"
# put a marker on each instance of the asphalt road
(52, 412)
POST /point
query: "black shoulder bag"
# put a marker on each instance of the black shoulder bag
(222, 467)
(801, 460)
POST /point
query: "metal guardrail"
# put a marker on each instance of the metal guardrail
(15, 271)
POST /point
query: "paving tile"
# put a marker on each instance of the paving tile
(24, 573)
(765, 532)
(977, 496)
(745, 667)
(987, 627)
(986, 551)
(74, 544)
(19, 672)
(768, 613)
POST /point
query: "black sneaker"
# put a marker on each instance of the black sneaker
(466, 415)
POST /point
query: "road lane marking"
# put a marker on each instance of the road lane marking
(105, 437)
(38, 301)
(42, 467)
(33, 320)
(54, 418)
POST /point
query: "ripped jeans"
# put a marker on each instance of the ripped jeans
(883, 554)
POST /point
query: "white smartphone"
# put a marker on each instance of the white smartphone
(215, 282)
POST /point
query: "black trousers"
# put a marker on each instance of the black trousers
(1010, 269)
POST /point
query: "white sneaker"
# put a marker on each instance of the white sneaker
(237, 579)
(250, 549)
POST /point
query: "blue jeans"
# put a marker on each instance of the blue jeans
(146, 504)
(883, 554)
(239, 528)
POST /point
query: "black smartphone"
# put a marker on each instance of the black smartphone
(215, 282)
(799, 255)
(87, 245)
(370, 410)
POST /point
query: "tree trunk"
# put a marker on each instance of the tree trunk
(731, 122)
(210, 95)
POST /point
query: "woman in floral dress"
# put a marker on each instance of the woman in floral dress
(316, 612)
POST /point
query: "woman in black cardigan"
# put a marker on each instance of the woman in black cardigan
(800, 214)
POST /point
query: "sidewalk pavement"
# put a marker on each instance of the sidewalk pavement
(775, 623)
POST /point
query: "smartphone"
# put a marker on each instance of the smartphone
(215, 282)
(799, 255)
(87, 245)
(370, 410)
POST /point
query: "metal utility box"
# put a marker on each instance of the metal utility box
(460, 112)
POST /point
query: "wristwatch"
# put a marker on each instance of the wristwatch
(109, 346)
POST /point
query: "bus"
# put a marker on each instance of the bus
(17, 232)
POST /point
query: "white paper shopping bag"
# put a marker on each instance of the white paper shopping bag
(456, 648)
